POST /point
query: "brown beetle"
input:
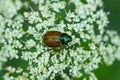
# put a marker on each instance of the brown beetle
(56, 38)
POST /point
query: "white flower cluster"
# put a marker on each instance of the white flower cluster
(23, 56)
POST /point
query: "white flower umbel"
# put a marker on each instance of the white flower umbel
(24, 56)
(10, 8)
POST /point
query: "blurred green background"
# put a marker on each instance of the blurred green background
(111, 72)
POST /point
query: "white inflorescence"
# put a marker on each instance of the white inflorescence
(23, 56)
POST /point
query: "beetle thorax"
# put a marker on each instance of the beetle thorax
(64, 38)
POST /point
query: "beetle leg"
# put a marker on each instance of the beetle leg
(45, 51)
